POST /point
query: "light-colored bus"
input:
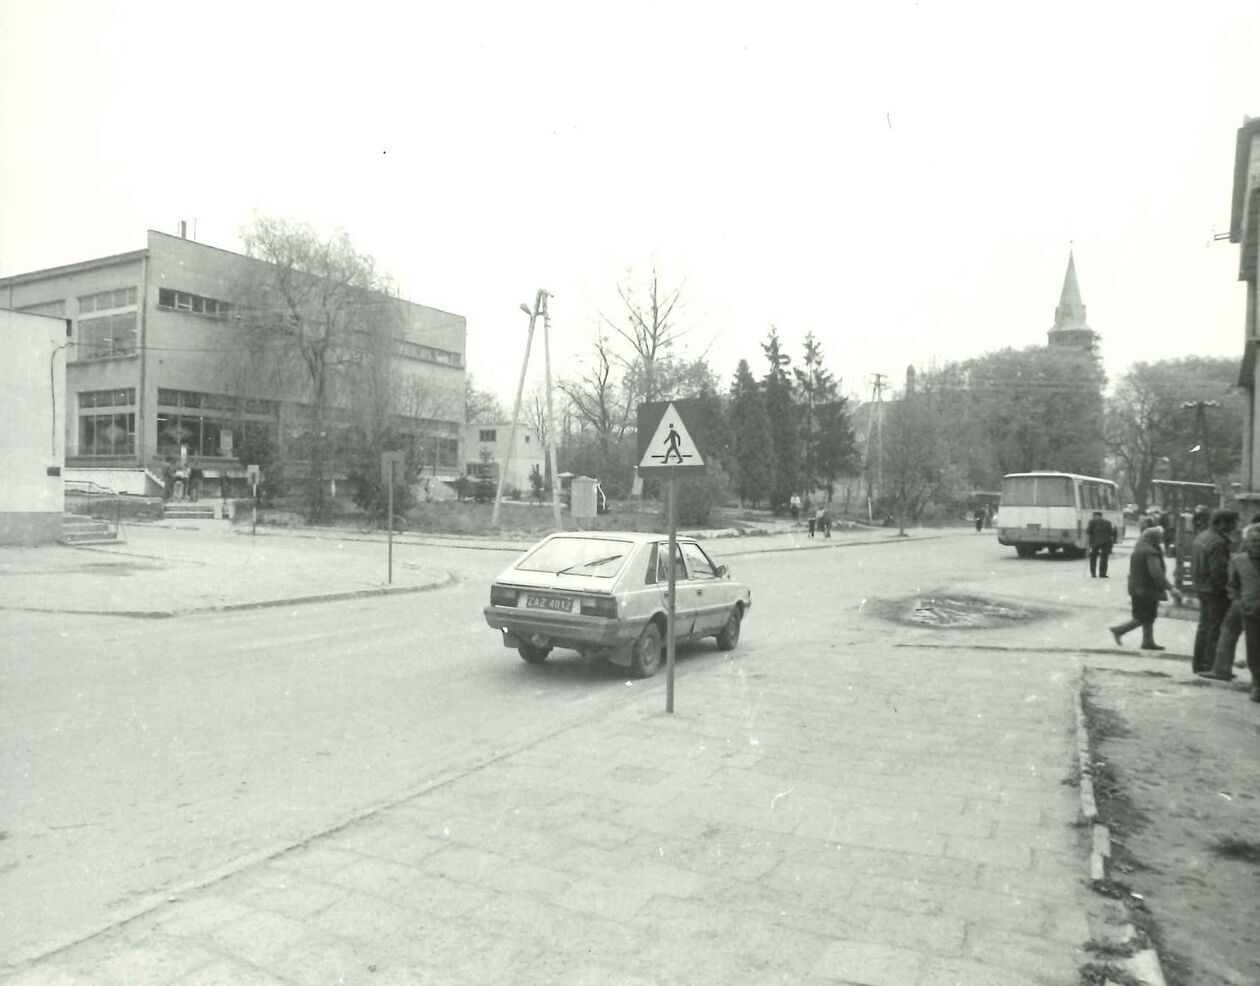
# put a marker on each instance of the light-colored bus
(1051, 510)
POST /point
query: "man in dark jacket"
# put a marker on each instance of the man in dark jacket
(1244, 588)
(1102, 535)
(1209, 571)
(1148, 584)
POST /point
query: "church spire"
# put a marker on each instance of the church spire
(1070, 328)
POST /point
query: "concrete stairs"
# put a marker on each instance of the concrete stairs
(185, 510)
(79, 529)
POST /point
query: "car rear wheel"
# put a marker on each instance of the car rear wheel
(729, 637)
(1025, 550)
(532, 654)
(645, 656)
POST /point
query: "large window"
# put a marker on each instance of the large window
(214, 425)
(429, 354)
(46, 308)
(107, 422)
(104, 301)
(1038, 491)
(107, 335)
(183, 301)
(487, 435)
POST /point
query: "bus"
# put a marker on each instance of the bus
(1051, 510)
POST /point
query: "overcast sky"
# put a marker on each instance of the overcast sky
(903, 179)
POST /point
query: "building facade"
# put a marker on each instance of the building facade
(154, 333)
(32, 446)
(1244, 229)
(488, 444)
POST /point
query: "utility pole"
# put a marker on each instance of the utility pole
(876, 412)
(551, 418)
(1200, 427)
(540, 301)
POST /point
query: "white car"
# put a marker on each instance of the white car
(605, 594)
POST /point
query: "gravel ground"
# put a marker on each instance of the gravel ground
(1179, 785)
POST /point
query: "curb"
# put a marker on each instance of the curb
(166, 614)
(1143, 966)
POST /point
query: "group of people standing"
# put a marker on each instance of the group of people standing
(182, 482)
(1225, 573)
(819, 518)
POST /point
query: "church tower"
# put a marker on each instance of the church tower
(1070, 329)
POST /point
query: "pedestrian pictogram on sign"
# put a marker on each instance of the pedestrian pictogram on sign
(671, 446)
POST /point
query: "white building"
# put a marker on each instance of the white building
(32, 442)
(481, 440)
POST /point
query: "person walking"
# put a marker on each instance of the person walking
(988, 516)
(1148, 584)
(1244, 587)
(195, 476)
(979, 519)
(1232, 625)
(825, 522)
(1209, 572)
(795, 504)
(1102, 535)
(817, 523)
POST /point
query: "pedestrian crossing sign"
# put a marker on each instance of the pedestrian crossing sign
(665, 442)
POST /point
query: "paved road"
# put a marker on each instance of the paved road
(148, 755)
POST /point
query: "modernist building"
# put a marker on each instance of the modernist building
(152, 335)
(487, 444)
(1244, 229)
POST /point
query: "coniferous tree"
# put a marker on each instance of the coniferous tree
(750, 460)
(785, 434)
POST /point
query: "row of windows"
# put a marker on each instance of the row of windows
(123, 397)
(182, 301)
(108, 335)
(428, 353)
(209, 436)
(105, 300)
(193, 398)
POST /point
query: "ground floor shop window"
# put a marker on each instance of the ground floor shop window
(107, 434)
(204, 435)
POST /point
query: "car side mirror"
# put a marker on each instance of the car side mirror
(721, 571)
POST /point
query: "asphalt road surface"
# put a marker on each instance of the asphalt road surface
(141, 756)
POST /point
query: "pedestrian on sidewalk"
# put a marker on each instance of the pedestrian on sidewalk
(181, 482)
(195, 476)
(1102, 535)
(979, 520)
(825, 522)
(988, 516)
(1244, 588)
(168, 480)
(817, 523)
(1209, 572)
(795, 504)
(1232, 625)
(1148, 585)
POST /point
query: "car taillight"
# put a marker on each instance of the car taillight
(600, 606)
(501, 595)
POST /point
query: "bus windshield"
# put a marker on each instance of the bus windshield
(1037, 491)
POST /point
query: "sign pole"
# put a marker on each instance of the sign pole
(670, 612)
(390, 563)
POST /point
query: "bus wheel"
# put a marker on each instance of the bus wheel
(1025, 550)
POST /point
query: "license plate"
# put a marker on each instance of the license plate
(559, 604)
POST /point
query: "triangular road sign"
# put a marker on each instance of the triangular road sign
(671, 445)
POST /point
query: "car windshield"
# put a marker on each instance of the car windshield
(600, 557)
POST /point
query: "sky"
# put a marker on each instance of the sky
(903, 179)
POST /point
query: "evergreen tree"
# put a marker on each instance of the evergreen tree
(785, 435)
(750, 460)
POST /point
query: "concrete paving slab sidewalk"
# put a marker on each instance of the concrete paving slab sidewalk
(835, 815)
(165, 570)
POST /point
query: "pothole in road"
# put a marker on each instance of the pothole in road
(946, 612)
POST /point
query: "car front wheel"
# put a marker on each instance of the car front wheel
(645, 657)
(729, 637)
(532, 654)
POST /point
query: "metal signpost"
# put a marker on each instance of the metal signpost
(667, 449)
(252, 473)
(392, 464)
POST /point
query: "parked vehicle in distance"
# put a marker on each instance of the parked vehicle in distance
(605, 594)
(1051, 510)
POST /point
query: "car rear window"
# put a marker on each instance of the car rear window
(586, 556)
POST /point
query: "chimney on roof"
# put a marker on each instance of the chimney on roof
(183, 230)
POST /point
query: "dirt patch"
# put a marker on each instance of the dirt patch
(958, 612)
(1176, 780)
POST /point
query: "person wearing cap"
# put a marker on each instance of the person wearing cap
(1244, 587)
(1148, 584)
(1231, 626)
(1209, 572)
(1101, 534)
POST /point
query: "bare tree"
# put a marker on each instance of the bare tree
(601, 403)
(315, 305)
(650, 328)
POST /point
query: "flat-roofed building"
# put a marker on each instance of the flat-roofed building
(152, 335)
